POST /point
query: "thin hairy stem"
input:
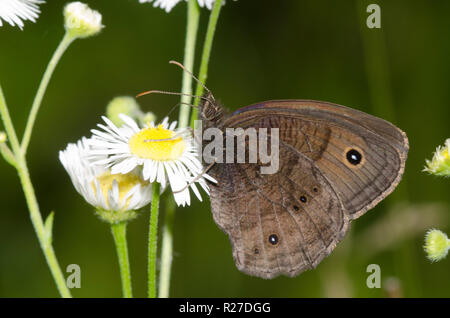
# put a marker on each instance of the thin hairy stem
(193, 17)
(119, 231)
(30, 196)
(153, 241)
(203, 73)
(167, 249)
(63, 45)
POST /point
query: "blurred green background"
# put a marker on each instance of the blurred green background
(263, 50)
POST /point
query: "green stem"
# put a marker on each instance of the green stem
(193, 17)
(65, 42)
(119, 231)
(203, 73)
(7, 122)
(35, 215)
(166, 249)
(7, 154)
(153, 241)
(38, 225)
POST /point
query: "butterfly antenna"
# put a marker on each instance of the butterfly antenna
(197, 177)
(180, 134)
(192, 75)
(172, 93)
(178, 104)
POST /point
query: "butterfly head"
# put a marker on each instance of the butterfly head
(210, 109)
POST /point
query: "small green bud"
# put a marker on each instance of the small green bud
(81, 21)
(3, 137)
(146, 118)
(440, 164)
(123, 105)
(436, 245)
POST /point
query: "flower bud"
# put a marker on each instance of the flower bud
(440, 164)
(146, 118)
(81, 21)
(123, 105)
(436, 245)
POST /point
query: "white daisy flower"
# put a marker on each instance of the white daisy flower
(163, 4)
(169, 4)
(16, 11)
(207, 3)
(115, 196)
(161, 152)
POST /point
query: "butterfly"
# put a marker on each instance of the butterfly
(335, 163)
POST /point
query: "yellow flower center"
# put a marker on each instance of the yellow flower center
(126, 182)
(156, 143)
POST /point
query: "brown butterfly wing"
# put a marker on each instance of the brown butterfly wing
(277, 225)
(335, 129)
(314, 137)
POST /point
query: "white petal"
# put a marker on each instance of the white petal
(14, 11)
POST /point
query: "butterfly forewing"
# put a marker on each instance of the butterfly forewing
(334, 135)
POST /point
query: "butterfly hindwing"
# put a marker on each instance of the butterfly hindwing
(275, 224)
